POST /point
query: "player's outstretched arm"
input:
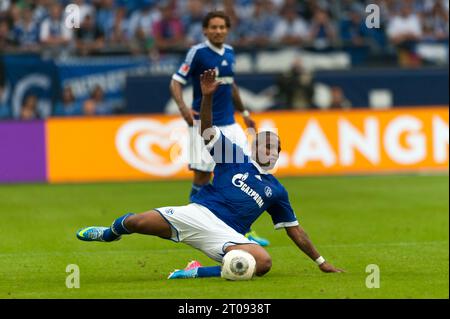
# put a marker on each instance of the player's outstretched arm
(301, 239)
(208, 85)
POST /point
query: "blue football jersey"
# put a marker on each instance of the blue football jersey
(200, 58)
(241, 190)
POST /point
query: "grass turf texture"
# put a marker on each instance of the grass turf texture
(399, 223)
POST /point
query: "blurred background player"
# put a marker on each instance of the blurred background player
(216, 224)
(212, 54)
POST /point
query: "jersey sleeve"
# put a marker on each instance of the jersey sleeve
(282, 213)
(225, 152)
(185, 70)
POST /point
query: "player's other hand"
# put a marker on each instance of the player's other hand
(208, 83)
(188, 115)
(249, 122)
(326, 267)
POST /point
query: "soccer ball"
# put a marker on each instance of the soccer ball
(238, 265)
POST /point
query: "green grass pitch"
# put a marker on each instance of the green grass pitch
(399, 223)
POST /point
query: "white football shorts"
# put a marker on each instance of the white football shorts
(198, 227)
(199, 157)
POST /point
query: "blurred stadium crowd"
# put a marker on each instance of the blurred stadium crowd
(154, 27)
(411, 33)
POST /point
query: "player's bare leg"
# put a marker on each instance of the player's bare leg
(148, 223)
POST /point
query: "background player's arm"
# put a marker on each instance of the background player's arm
(301, 239)
(208, 85)
(176, 89)
(238, 105)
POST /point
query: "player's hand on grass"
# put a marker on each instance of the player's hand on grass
(326, 267)
(208, 83)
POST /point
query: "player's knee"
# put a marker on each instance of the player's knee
(134, 223)
(263, 265)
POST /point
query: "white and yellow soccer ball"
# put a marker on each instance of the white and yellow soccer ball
(238, 264)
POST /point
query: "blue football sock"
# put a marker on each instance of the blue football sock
(213, 271)
(117, 229)
(194, 190)
(108, 235)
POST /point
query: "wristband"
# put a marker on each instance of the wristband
(245, 113)
(319, 261)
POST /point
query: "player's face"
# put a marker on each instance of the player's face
(267, 150)
(216, 31)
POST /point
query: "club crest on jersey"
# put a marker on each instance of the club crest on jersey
(239, 181)
(268, 191)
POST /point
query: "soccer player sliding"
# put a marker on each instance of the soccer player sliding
(214, 53)
(222, 212)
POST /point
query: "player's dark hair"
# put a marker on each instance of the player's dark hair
(216, 14)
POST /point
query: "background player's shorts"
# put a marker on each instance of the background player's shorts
(200, 159)
(198, 227)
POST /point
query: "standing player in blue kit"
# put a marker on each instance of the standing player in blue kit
(212, 54)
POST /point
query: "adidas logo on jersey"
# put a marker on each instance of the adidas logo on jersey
(224, 63)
